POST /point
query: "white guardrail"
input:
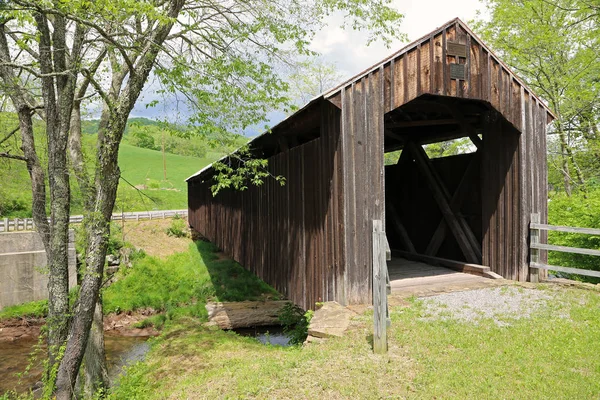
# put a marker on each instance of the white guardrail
(26, 224)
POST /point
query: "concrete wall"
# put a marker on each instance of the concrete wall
(23, 271)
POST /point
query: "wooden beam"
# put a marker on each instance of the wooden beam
(399, 227)
(426, 122)
(476, 140)
(455, 204)
(393, 135)
(465, 124)
(440, 195)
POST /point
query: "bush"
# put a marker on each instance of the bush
(178, 228)
(295, 322)
(578, 211)
(141, 138)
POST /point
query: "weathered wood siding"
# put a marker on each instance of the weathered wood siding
(291, 236)
(311, 239)
(513, 169)
(363, 180)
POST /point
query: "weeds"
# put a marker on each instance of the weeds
(183, 283)
(178, 228)
(295, 322)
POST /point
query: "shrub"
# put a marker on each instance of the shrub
(295, 322)
(178, 228)
(578, 211)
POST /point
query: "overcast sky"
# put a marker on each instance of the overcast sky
(347, 49)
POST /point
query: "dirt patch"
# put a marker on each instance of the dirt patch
(123, 324)
(151, 236)
(114, 324)
(20, 328)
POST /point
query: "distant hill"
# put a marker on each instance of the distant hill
(142, 188)
(90, 126)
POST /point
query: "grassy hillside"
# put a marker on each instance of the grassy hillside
(142, 168)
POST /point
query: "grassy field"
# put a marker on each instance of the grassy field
(143, 169)
(552, 355)
(142, 187)
(182, 283)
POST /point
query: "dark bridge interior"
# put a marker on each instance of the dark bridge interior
(434, 205)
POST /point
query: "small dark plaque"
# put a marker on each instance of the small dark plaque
(456, 49)
(457, 71)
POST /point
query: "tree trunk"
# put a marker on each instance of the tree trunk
(110, 132)
(94, 360)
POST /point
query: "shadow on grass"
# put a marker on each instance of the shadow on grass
(230, 280)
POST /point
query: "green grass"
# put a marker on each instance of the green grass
(140, 167)
(183, 283)
(554, 355)
(143, 167)
(34, 309)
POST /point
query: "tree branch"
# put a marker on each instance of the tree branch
(13, 156)
(10, 134)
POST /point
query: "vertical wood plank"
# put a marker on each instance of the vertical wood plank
(438, 65)
(379, 289)
(534, 253)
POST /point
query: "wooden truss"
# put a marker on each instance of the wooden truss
(448, 203)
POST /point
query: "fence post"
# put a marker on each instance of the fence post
(5, 224)
(379, 289)
(534, 254)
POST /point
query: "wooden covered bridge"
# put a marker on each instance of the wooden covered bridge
(311, 238)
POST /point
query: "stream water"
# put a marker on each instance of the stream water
(272, 335)
(15, 357)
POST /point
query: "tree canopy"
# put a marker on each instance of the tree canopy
(555, 46)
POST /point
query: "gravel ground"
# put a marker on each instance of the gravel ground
(499, 304)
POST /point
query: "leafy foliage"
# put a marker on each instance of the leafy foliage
(555, 46)
(295, 322)
(577, 210)
(178, 228)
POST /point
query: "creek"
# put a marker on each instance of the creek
(15, 357)
(272, 335)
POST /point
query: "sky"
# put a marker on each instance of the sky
(347, 49)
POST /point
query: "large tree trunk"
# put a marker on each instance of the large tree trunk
(94, 360)
(56, 92)
(110, 133)
(94, 372)
(567, 160)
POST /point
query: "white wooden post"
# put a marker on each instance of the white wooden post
(379, 289)
(534, 254)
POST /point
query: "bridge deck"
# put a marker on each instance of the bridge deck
(411, 278)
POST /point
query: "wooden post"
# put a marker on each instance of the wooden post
(379, 289)
(534, 254)
(5, 224)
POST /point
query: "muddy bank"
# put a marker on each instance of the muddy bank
(114, 324)
(21, 348)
